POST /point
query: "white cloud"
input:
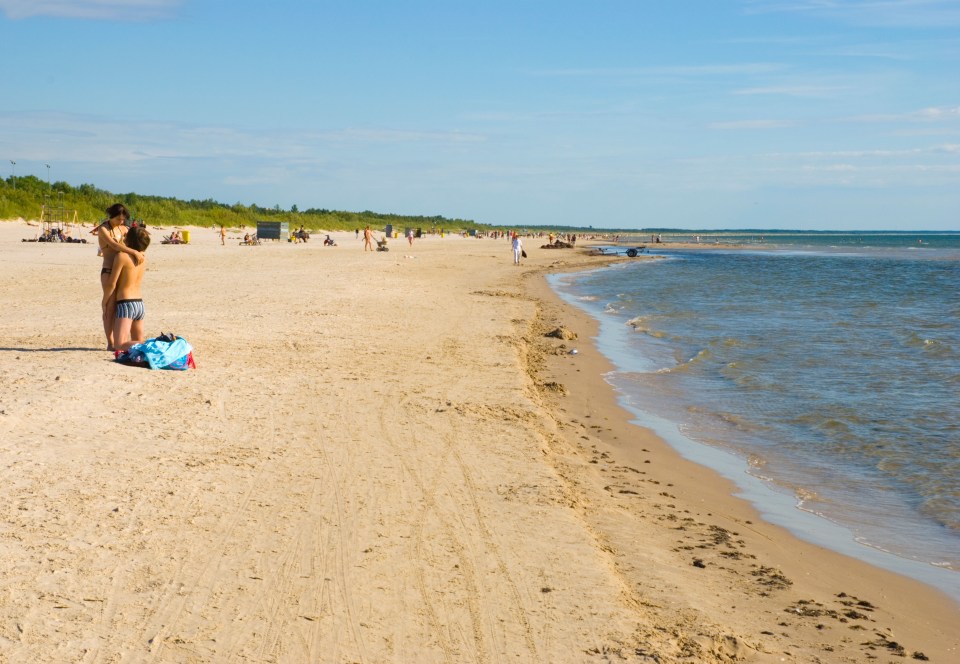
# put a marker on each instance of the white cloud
(751, 124)
(395, 136)
(94, 139)
(127, 10)
(792, 90)
(931, 114)
(741, 69)
(876, 13)
(948, 113)
(850, 154)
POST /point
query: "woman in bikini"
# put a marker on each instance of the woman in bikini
(110, 236)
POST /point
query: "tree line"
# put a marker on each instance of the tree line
(24, 196)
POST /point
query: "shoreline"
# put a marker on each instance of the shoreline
(777, 503)
(379, 458)
(779, 563)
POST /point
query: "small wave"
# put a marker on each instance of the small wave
(755, 461)
(802, 495)
(684, 366)
(704, 354)
(934, 347)
(639, 325)
(736, 421)
(806, 495)
(834, 426)
(937, 348)
(744, 380)
(915, 340)
(891, 465)
(588, 298)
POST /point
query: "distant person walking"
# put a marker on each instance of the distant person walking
(517, 246)
(368, 239)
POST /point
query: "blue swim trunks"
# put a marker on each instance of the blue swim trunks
(130, 309)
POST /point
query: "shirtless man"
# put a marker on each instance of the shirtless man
(110, 236)
(367, 239)
(125, 280)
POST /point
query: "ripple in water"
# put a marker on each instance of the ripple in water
(834, 375)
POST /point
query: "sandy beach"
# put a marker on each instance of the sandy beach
(381, 457)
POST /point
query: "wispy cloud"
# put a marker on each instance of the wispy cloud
(399, 136)
(939, 113)
(792, 90)
(741, 69)
(116, 10)
(931, 166)
(876, 13)
(851, 154)
(94, 139)
(934, 114)
(751, 124)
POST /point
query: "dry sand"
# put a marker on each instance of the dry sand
(381, 458)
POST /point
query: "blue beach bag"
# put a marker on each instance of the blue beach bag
(167, 351)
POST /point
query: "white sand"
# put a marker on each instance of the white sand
(368, 467)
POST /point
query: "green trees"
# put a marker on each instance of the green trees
(89, 201)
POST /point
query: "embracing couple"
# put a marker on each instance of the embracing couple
(124, 263)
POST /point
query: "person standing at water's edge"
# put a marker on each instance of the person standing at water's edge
(110, 236)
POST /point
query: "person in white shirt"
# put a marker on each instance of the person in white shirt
(517, 249)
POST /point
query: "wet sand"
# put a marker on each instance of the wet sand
(381, 457)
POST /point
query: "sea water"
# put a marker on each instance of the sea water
(820, 371)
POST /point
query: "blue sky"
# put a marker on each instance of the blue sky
(800, 114)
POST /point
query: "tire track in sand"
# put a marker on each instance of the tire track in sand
(174, 604)
(455, 529)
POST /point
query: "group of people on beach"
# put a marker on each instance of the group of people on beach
(121, 275)
(57, 235)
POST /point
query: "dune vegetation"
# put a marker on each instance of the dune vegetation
(30, 198)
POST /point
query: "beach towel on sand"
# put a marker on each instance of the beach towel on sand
(160, 354)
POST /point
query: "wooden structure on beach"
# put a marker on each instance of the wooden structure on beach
(55, 215)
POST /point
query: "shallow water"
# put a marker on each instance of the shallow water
(832, 373)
